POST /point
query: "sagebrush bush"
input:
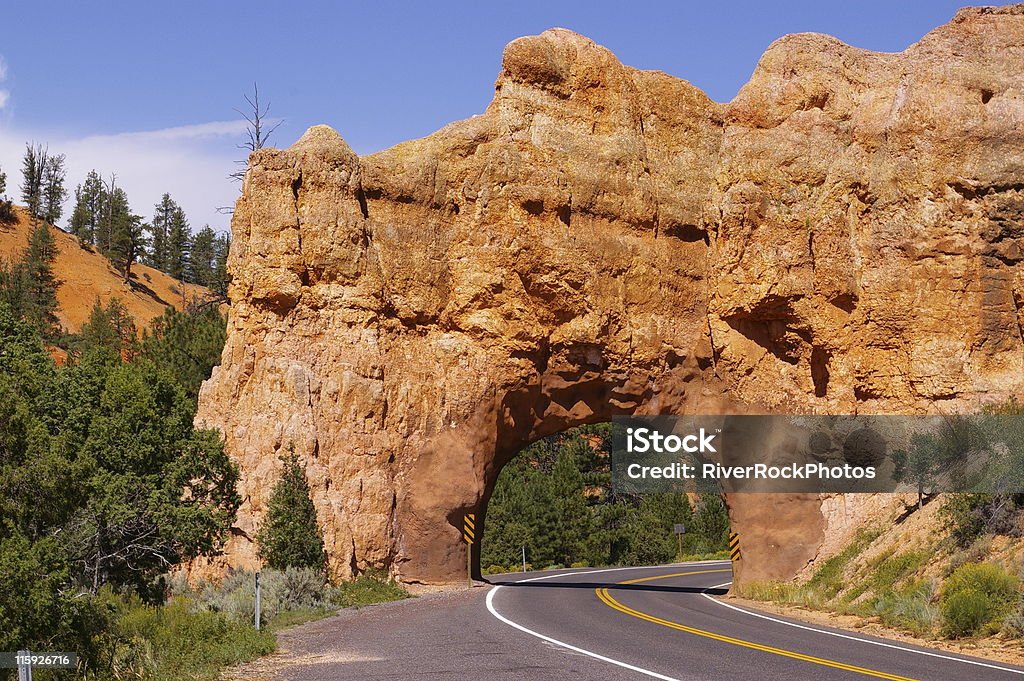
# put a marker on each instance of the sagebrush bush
(976, 598)
(1013, 624)
(281, 591)
(966, 613)
(909, 608)
(287, 592)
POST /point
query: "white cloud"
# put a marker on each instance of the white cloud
(181, 133)
(190, 162)
(4, 96)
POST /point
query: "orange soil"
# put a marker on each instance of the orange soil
(86, 276)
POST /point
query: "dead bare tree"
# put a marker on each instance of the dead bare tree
(257, 130)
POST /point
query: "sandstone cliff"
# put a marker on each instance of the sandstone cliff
(844, 236)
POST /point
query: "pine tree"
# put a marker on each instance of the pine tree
(53, 191)
(179, 240)
(290, 535)
(567, 483)
(221, 278)
(159, 228)
(6, 209)
(202, 257)
(39, 283)
(90, 197)
(711, 523)
(129, 242)
(187, 345)
(110, 327)
(114, 214)
(33, 170)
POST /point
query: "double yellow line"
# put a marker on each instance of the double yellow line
(608, 600)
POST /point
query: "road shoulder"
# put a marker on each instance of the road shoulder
(992, 648)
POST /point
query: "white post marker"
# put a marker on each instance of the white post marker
(524, 559)
(24, 669)
(256, 610)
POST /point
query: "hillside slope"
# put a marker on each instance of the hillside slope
(86, 275)
(892, 577)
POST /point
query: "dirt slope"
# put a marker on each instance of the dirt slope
(85, 275)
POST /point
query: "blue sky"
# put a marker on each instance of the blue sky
(146, 90)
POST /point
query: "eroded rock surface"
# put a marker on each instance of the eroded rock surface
(844, 236)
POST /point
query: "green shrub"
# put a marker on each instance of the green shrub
(909, 608)
(890, 569)
(780, 592)
(976, 598)
(366, 589)
(828, 580)
(965, 613)
(281, 591)
(177, 640)
(970, 516)
(1013, 625)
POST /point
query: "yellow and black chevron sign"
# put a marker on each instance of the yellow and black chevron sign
(469, 527)
(734, 546)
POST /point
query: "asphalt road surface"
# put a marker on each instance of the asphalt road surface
(624, 623)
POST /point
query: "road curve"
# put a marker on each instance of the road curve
(666, 623)
(615, 624)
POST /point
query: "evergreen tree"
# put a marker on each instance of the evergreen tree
(159, 230)
(88, 212)
(290, 535)
(116, 215)
(571, 503)
(221, 278)
(203, 257)
(6, 208)
(42, 283)
(111, 328)
(129, 242)
(113, 212)
(103, 480)
(178, 245)
(710, 524)
(53, 189)
(33, 172)
(28, 287)
(187, 345)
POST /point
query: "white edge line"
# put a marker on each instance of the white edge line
(851, 637)
(618, 663)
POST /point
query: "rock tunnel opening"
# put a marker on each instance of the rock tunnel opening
(552, 505)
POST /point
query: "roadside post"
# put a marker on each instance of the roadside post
(524, 559)
(256, 615)
(24, 668)
(679, 529)
(469, 534)
(734, 547)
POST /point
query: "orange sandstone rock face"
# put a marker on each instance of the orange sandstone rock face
(842, 237)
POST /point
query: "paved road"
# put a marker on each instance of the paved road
(626, 623)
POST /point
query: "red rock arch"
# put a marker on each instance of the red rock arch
(605, 240)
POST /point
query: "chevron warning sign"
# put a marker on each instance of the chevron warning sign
(469, 528)
(734, 546)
